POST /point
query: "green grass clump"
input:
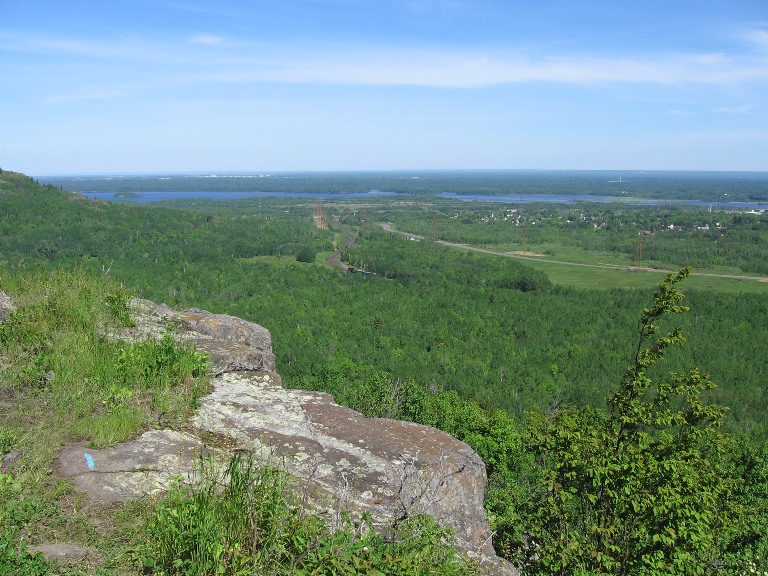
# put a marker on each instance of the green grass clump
(239, 521)
(62, 379)
(92, 387)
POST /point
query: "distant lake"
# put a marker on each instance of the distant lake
(566, 199)
(159, 196)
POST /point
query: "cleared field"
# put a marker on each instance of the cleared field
(572, 266)
(595, 270)
(605, 278)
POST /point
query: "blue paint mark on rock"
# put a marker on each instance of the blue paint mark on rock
(89, 460)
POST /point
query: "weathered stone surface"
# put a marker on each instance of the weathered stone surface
(62, 552)
(145, 466)
(339, 459)
(231, 343)
(392, 469)
(10, 460)
(6, 305)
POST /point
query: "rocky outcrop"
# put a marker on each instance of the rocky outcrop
(232, 344)
(338, 459)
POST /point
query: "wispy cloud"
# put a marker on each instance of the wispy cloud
(243, 61)
(741, 110)
(60, 48)
(466, 70)
(207, 40)
(757, 37)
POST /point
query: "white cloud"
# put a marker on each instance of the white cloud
(248, 62)
(758, 38)
(207, 40)
(466, 70)
(745, 109)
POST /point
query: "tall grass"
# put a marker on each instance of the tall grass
(63, 380)
(91, 387)
(239, 521)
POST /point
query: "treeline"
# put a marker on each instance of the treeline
(44, 224)
(430, 265)
(707, 186)
(516, 348)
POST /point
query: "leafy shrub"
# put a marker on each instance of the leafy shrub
(117, 303)
(29, 343)
(307, 255)
(7, 440)
(158, 362)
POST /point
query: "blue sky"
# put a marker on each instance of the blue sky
(114, 86)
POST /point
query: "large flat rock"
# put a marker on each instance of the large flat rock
(142, 467)
(230, 342)
(392, 469)
(338, 459)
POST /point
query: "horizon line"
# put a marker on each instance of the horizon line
(361, 171)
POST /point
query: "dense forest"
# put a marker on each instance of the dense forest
(492, 329)
(487, 348)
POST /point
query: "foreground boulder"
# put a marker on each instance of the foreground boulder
(338, 459)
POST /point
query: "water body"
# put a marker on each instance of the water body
(159, 196)
(568, 199)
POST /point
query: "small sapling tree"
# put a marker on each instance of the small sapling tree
(639, 488)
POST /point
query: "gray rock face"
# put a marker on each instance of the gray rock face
(231, 343)
(339, 459)
(10, 461)
(391, 469)
(6, 305)
(61, 553)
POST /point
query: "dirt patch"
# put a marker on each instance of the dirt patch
(521, 253)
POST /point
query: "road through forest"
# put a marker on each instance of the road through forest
(388, 228)
(335, 258)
